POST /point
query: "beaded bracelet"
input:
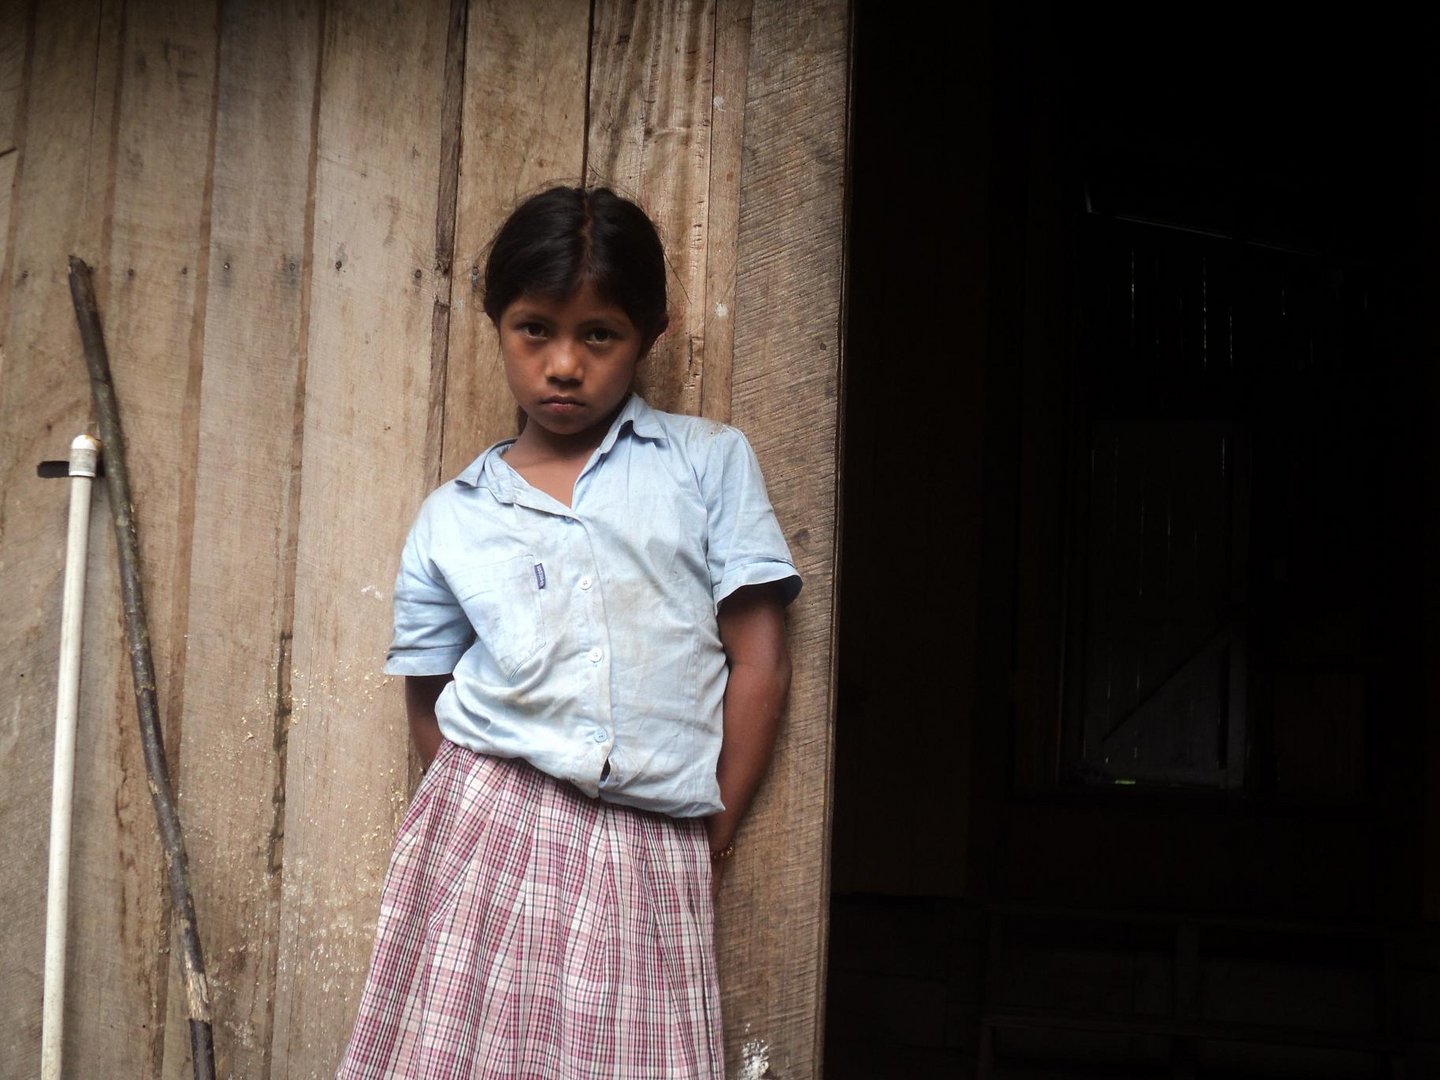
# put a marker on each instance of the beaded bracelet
(724, 853)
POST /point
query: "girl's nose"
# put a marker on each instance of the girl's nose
(565, 362)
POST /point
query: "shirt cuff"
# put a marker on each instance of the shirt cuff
(439, 660)
(761, 572)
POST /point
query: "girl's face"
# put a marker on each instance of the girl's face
(570, 364)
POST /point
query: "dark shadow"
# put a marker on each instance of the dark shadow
(1138, 612)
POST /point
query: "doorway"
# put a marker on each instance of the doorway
(1220, 871)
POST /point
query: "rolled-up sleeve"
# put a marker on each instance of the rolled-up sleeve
(746, 546)
(431, 630)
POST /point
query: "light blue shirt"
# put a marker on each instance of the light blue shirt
(585, 634)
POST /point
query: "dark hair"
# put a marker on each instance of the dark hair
(558, 240)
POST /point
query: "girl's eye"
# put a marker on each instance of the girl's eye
(601, 335)
(531, 329)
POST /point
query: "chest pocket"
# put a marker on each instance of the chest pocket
(502, 602)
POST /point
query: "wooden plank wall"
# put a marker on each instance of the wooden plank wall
(287, 205)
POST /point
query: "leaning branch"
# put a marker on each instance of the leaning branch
(142, 667)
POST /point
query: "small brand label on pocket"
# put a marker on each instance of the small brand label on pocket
(539, 575)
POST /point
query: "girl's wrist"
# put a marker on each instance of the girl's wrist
(720, 833)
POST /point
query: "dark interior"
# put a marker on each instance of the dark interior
(1136, 753)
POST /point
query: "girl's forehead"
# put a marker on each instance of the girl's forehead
(582, 302)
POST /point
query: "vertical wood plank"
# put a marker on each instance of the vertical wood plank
(7, 225)
(786, 393)
(651, 96)
(516, 142)
(14, 46)
(63, 163)
(367, 406)
(14, 39)
(447, 196)
(242, 567)
(157, 269)
(727, 133)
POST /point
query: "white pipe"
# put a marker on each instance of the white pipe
(84, 452)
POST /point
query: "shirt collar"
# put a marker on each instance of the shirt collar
(635, 414)
(639, 417)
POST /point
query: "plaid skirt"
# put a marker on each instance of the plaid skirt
(530, 933)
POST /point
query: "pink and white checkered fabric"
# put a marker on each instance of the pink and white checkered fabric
(530, 933)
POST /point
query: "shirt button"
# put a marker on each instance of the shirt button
(601, 735)
(595, 655)
(585, 582)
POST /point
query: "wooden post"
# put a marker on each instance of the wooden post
(786, 397)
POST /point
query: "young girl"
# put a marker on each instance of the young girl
(590, 624)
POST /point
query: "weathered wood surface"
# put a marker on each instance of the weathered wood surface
(786, 391)
(363, 475)
(153, 325)
(62, 177)
(14, 44)
(278, 199)
(7, 182)
(232, 756)
(14, 41)
(14, 48)
(446, 197)
(727, 132)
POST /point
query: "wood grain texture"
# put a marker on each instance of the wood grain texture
(367, 405)
(61, 182)
(15, 26)
(786, 396)
(263, 188)
(651, 91)
(153, 322)
(516, 142)
(237, 656)
(447, 195)
(727, 132)
(7, 224)
(14, 42)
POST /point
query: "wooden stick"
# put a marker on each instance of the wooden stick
(117, 480)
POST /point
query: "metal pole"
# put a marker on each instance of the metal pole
(83, 454)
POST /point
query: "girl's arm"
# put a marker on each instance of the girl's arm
(421, 693)
(752, 631)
